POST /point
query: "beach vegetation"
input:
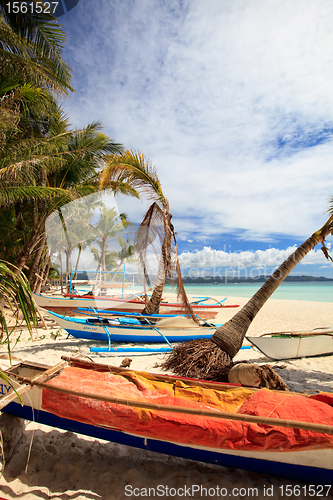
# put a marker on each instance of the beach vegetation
(15, 302)
(53, 171)
(68, 229)
(43, 163)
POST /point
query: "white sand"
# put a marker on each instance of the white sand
(63, 465)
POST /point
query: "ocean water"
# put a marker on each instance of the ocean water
(316, 291)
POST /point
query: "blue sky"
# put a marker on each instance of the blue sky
(232, 101)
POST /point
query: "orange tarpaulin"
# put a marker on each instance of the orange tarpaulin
(183, 428)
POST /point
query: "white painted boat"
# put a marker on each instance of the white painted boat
(290, 345)
(68, 400)
(70, 303)
(66, 305)
(125, 329)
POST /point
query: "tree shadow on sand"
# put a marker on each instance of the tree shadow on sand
(305, 380)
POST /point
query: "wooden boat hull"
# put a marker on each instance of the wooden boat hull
(314, 465)
(291, 347)
(70, 303)
(85, 328)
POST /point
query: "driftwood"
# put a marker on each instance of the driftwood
(41, 318)
(254, 375)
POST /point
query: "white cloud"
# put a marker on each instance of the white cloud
(272, 257)
(231, 100)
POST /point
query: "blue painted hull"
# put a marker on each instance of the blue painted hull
(133, 338)
(313, 465)
(308, 474)
(93, 329)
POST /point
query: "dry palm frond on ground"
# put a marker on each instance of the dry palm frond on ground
(199, 359)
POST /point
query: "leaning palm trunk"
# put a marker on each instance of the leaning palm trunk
(151, 234)
(153, 306)
(27, 250)
(78, 258)
(155, 232)
(209, 359)
(44, 273)
(231, 335)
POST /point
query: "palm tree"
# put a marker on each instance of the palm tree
(54, 171)
(108, 227)
(156, 230)
(110, 259)
(31, 72)
(126, 253)
(43, 164)
(212, 357)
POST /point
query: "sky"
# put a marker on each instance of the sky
(232, 102)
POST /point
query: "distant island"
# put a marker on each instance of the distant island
(239, 279)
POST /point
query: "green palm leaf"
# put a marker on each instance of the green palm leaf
(135, 169)
(15, 291)
(33, 42)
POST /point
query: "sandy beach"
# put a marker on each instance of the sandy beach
(63, 465)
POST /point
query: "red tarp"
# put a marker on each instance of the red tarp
(190, 429)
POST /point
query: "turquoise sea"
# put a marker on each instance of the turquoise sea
(317, 291)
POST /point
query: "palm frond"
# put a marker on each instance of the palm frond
(15, 288)
(137, 170)
(148, 242)
(122, 188)
(19, 193)
(36, 42)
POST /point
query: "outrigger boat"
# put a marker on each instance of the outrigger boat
(290, 345)
(115, 327)
(70, 303)
(133, 328)
(277, 433)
